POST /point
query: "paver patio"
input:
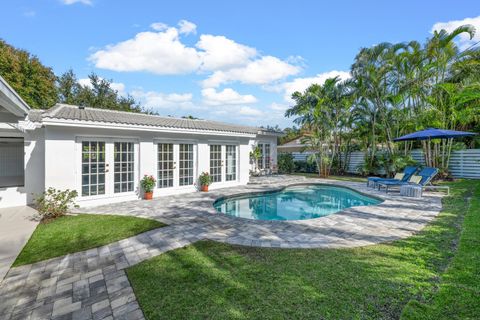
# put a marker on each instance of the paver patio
(16, 227)
(93, 284)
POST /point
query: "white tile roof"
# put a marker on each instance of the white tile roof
(76, 113)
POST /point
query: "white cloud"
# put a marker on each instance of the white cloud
(278, 107)
(301, 84)
(159, 100)
(118, 86)
(464, 39)
(249, 111)
(187, 27)
(159, 26)
(162, 52)
(265, 70)
(157, 52)
(227, 96)
(219, 52)
(29, 13)
(69, 2)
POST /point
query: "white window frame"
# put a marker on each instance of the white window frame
(263, 162)
(223, 144)
(109, 159)
(176, 157)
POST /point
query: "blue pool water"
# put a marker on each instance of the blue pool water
(293, 203)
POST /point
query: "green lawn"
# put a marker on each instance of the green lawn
(341, 178)
(81, 232)
(431, 273)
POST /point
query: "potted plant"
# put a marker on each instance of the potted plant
(205, 180)
(148, 183)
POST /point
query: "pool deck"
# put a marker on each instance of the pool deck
(395, 218)
(93, 284)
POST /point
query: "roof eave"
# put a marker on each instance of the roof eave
(123, 126)
(270, 133)
(11, 101)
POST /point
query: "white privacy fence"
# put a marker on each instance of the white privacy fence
(463, 163)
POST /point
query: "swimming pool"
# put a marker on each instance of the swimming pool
(300, 202)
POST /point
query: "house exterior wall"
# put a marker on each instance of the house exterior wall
(63, 158)
(265, 139)
(33, 165)
(53, 159)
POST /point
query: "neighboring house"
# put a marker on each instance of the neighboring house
(103, 154)
(299, 150)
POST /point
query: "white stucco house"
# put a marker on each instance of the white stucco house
(103, 154)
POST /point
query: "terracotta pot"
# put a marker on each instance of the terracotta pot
(204, 188)
(148, 195)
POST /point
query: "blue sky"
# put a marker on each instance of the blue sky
(230, 61)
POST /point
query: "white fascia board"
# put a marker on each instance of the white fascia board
(270, 133)
(12, 101)
(121, 126)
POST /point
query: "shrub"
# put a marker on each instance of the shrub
(285, 163)
(54, 203)
(306, 167)
(148, 183)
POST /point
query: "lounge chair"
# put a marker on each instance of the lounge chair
(426, 174)
(407, 173)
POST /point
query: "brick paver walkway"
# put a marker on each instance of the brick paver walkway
(93, 284)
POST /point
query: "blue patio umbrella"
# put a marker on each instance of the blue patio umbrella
(433, 133)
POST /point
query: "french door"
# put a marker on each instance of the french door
(223, 162)
(176, 164)
(265, 159)
(108, 167)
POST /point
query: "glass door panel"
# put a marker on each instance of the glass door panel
(267, 156)
(185, 168)
(166, 165)
(93, 168)
(123, 154)
(231, 163)
(216, 162)
(260, 161)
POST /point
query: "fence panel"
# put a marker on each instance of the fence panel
(463, 163)
(356, 160)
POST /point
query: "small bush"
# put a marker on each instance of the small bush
(305, 167)
(285, 163)
(55, 203)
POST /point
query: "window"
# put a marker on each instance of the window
(11, 162)
(231, 163)
(123, 167)
(264, 161)
(266, 157)
(93, 168)
(216, 162)
(185, 173)
(165, 165)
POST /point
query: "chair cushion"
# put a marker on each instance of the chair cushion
(415, 179)
(399, 176)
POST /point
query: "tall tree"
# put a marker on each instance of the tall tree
(99, 93)
(33, 81)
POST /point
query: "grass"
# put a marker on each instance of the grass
(80, 232)
(434, 272)
(341, 178)
(458, 295)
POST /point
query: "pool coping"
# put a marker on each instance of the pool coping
(274, 190)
